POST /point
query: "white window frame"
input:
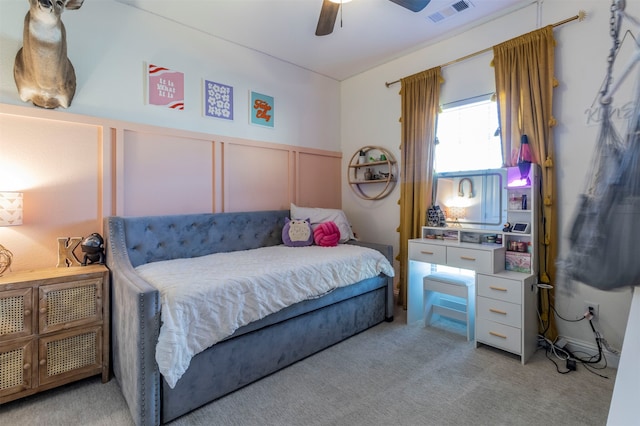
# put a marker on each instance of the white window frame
(467, 144)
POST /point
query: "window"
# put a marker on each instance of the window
(466, 136)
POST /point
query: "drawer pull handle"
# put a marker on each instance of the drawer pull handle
(493, 333)
(497, 288)
(26, 366)
(43, 362)
(426, 252)
(468, 258)
(43, 310)
(497, 311)
(27, 312)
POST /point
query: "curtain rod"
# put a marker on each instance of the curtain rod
(580, 17)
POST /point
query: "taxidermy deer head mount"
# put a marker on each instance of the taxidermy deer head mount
(42, 71)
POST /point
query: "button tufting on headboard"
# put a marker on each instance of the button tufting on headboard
(155, 238)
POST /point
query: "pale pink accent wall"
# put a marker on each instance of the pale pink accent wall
(76, 170)
(319, 179)
(166, 173)
(57, 167)
(256, 177)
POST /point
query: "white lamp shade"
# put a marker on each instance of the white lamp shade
(455, 212)
(10, 208)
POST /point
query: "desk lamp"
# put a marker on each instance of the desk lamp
(10, 215)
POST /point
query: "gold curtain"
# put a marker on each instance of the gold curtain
(420, 96)
(524, 72)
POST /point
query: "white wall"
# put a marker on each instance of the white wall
(370, 113)
(109, 43)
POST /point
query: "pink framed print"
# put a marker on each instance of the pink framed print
(165, 87)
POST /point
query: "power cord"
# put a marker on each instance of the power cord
(564, 354)
(582, 318)
(552, 348)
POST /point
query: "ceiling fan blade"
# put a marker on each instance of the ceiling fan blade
(327, 19)
(413, 5)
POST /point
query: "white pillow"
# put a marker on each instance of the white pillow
(318, 216)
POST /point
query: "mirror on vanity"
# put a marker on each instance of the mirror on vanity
(473, 199)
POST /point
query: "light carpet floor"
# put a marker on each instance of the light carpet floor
(392, 374)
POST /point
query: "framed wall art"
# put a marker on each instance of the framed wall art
(261, 109)
(165, 87)
(218, 100)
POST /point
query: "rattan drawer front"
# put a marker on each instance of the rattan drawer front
(16, 313)
(70, 304)
(70, 353)
(54, 328)
(429, 253)
(16, 369)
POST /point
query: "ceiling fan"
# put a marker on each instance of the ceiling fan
(330, 8)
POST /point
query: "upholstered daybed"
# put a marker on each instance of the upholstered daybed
(254, 350)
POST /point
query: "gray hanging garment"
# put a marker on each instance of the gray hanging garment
(606, 229)
(605, 233)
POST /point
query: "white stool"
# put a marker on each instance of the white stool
(460, 307)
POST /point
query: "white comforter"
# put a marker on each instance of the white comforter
(206, 299)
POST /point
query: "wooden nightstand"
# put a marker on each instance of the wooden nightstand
(54, 328)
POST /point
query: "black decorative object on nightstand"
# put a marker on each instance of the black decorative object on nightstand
(93, 249)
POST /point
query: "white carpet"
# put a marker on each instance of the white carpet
(391, 374)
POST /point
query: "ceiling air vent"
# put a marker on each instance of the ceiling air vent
(460, 6)
(449, 11)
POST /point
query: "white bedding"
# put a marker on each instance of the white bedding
(205, 299)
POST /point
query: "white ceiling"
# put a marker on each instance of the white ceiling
(373, 31)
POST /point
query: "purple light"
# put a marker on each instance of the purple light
(524, 158)
(514, 179)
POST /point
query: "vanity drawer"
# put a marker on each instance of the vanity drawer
(496, 310)
(429, 253)
(500, 288)
(477, 260)
(498, 335)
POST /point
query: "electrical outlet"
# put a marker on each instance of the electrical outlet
(595, 308)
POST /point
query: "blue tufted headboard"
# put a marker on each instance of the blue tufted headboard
(154, 238)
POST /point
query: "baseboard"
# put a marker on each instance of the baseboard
(587, 349)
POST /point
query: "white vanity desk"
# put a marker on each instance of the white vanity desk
(505, 311)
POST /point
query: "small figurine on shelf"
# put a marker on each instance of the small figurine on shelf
(435, 217)
(507, 227)
(368, 175)
(362, 158)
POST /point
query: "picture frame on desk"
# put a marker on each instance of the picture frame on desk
(517, 261)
